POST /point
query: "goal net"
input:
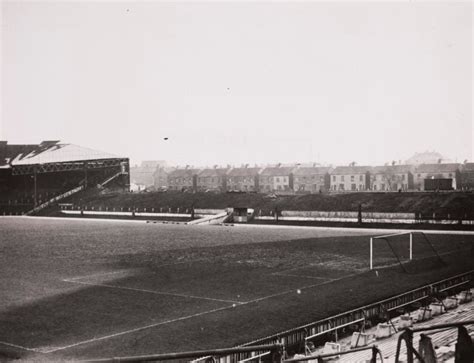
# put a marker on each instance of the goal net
(401, 248)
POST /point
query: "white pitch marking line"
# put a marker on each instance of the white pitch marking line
(36, 350)
(45, 350)
(300, 288)
(94, 275)
(152, 291)
(304, 276)
(138, 329)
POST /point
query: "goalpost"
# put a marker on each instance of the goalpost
(387, 238)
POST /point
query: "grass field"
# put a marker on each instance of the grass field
(75, 289)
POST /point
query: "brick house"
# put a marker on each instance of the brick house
(311, 179)
(243, 179)
(350, 178)
(214, 179)
(467, 176)
(278, 178)
(183, 179)
(160, 176)
(143, 174)
(391, 178)
(436, 171)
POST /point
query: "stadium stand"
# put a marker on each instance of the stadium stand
(33, 174)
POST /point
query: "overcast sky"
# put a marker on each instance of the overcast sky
(241, 82)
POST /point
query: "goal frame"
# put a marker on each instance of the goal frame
(410, 233)
(384, 237)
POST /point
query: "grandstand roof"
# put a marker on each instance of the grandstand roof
(47, 152)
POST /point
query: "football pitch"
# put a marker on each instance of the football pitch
(77, 289)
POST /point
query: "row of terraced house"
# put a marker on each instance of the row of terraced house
(316, 179)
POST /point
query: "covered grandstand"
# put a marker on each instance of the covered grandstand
(31, 175)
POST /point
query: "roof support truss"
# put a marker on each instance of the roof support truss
(69, 166)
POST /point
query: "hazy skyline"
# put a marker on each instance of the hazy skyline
(232, 83)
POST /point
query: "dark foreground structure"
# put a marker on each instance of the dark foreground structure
(32, 175)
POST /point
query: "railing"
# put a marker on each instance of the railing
(276, 354)
(462, 355)
(111, 178)
(376, 310)
(320, 358)
(55, 199)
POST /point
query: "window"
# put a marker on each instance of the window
(342, 177)
(450, 175)
(403, 176)
(352, 178)
(341, 186)
(353, 187)
(361, 178)
(333, 178)
(277, 180)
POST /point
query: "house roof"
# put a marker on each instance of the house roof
(213, 172)
(437, 168)
(152, 164)
(393, 169)
(48, 152)
(244, 171)
(277, 171)
(183, 173)
(469, 167)
(313, 170)
(346, 170)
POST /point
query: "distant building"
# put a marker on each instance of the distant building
(311, 179)
(279, 178)
(436, 171)
(391, 178)
(144, 174)
(350, 178)
(183, 179)
(214, 179)
(160, 177)
(467, 176)
(427, 157)
(243, 179)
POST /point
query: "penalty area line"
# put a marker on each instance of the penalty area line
(152, 291)
(302, 276)
(36, 350)
(233, 306)
(45, 350)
